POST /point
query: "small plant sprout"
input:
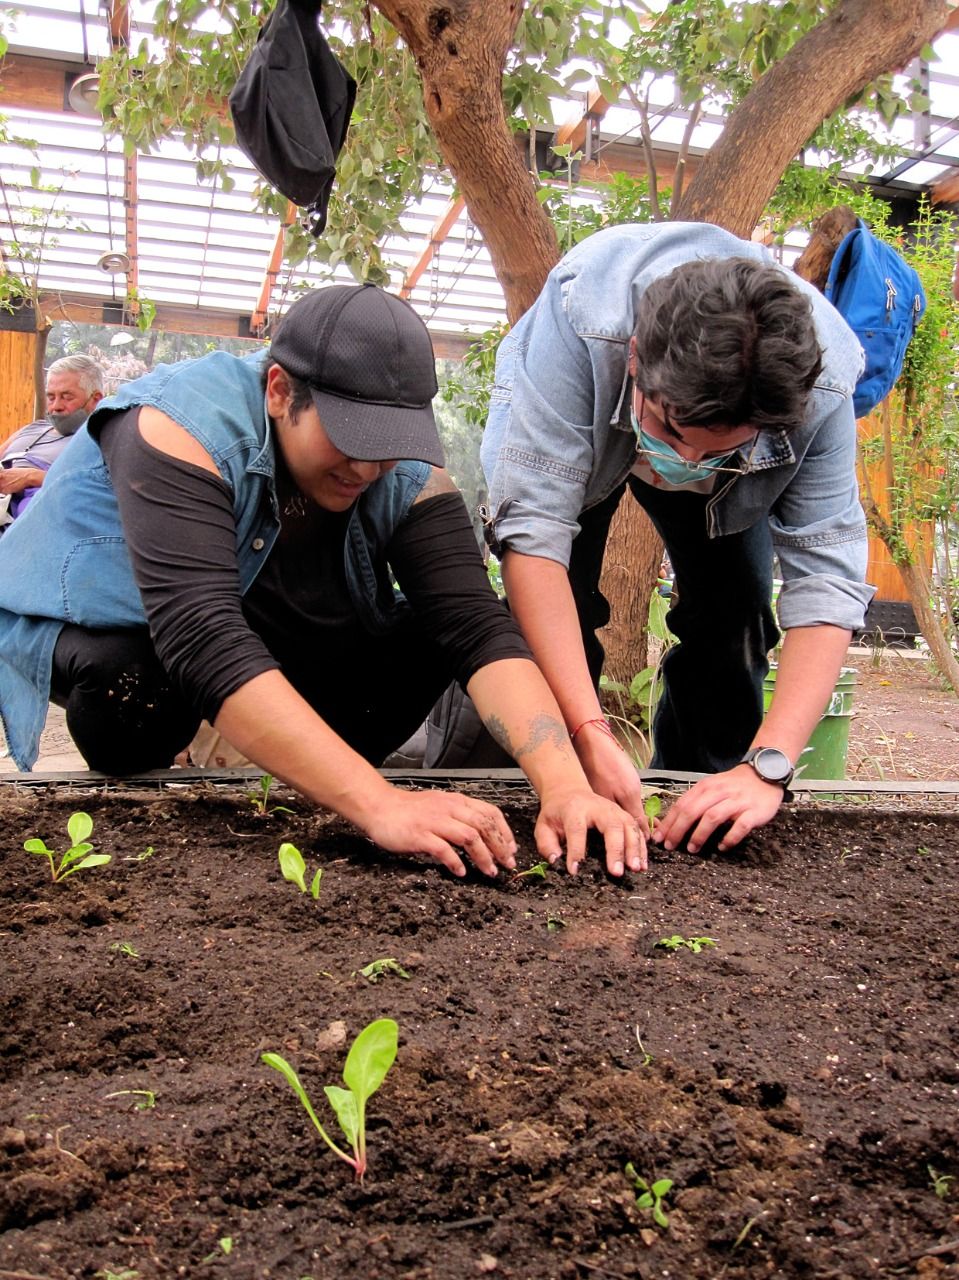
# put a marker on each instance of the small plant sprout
(536, 872)
(695, 945)
(647, 1056)
(941, 1182)
(555, 923)
(377, 969)
(651, 1195)
(372, 1054)
(78, 857)
(652, 807)
(260, 799)
(294, 869)
(140, 857)
(147, 1099)
(125, 949)
(224, 1247)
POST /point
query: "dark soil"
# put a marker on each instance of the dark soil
(798, 1081)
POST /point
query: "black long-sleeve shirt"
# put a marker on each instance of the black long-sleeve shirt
(297, 616)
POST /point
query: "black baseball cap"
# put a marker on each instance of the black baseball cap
(369, 362)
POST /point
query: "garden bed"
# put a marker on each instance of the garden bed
(797, 1081)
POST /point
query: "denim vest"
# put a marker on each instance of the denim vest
(66, 561)
(558, 439)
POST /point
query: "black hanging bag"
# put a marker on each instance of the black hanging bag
(291, 108)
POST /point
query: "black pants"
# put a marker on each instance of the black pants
(126, 716)
(712, 701)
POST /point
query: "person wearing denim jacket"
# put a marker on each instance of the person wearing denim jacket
(220, 540)
(684, 362)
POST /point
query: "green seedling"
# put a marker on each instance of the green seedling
(140, 857)
(106, 1273)
(294, 869)
(372, 1054)
(555, 923)
(78, 857)
(941, 1182)
(652, 807)
(125, 949)
(536, 871)
(224, 1249)
(260, 799)
(651, 1195)
(149, 1098)
(695, 945)
(376, 969)
(647, 1056)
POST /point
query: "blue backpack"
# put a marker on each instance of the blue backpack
(881, 299)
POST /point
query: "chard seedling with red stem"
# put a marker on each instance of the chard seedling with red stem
(372, 1054)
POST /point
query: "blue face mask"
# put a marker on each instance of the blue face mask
(667, 463)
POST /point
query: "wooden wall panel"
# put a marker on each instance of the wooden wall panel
(16, 381)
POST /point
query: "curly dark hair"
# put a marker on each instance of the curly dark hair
(723, 342)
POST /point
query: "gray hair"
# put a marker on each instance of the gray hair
(87, 371)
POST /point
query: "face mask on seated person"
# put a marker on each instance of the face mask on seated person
(69, 423)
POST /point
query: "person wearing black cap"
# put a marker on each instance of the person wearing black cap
(221, 541)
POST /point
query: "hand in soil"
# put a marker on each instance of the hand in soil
(566, 819)
(438, 823)
(738, 797)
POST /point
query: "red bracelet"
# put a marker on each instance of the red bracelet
(601, 720)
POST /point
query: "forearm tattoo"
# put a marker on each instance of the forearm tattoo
(544, 730)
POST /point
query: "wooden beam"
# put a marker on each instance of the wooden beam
(441, 229)
(262, 308)
(574, 131)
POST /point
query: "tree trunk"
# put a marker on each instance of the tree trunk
(634, 557)
(860, 40)
(460, 50)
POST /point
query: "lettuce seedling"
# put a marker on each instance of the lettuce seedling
(260, 799)
(695, 945)
(651, 1195)
(377, 968)
(294, 869)
(78, 857)
(372, 1054)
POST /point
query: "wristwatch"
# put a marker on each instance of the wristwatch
(771, 764)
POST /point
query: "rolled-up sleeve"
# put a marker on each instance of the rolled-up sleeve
(819, 532)
(537, 449)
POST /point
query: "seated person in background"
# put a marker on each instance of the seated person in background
(234, 560)
(74, 387)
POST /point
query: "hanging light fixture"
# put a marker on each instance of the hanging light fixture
(84, 93)
(114, 263)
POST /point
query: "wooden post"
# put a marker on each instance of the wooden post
(18, 355)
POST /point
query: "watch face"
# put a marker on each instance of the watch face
(772, 764)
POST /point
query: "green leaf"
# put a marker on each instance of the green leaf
(79, 827)
(292, 866)
(37, 846)
(343, 1102)
(659, 1217)
(315, 884)
(293, 1080)
(94, 860)
(372, 1055)
(662, 1187)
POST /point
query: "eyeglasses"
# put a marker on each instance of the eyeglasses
(706, 461)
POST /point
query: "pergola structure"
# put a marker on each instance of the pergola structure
(120, 225)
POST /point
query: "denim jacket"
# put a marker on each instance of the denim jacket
(65, 560)
(558, 438)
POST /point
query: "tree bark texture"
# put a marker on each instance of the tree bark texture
(634, 557)
(859, 41)
(460, 48)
